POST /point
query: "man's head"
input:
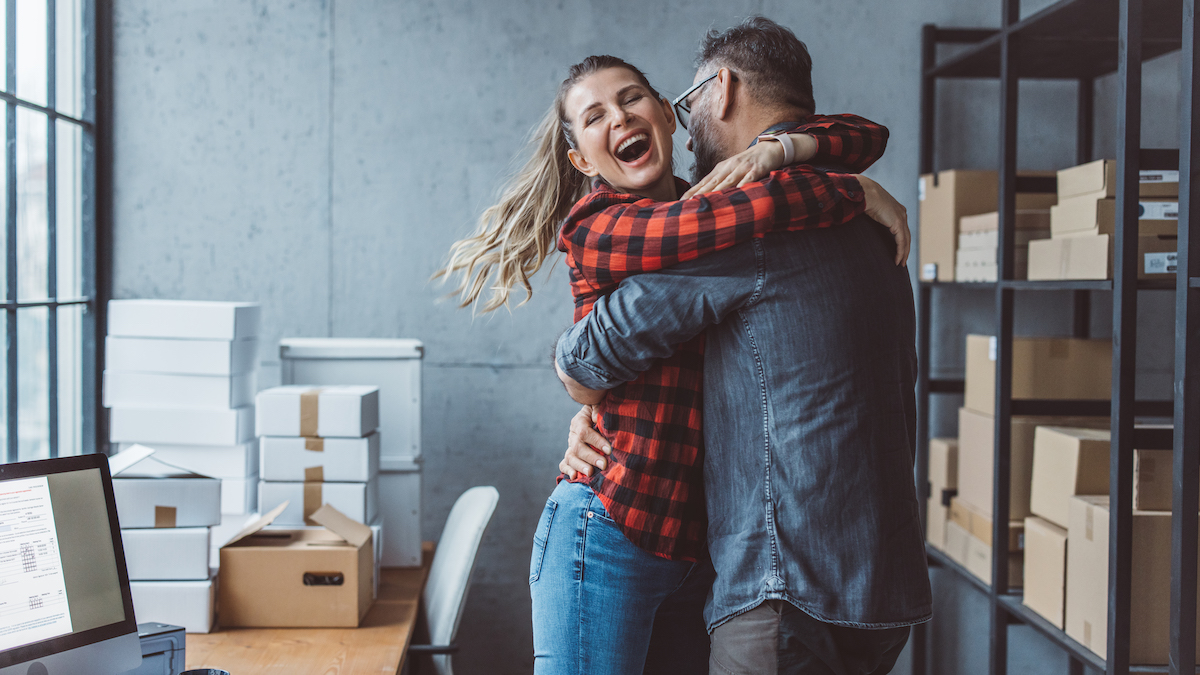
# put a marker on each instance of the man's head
(763, 73)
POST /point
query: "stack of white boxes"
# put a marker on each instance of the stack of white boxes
(979, 240)
(166, 515)
(180, 377)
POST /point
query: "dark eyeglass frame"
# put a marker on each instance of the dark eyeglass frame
(682, 109)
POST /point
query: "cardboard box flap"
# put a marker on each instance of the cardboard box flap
(121, 461)
(259, 524)
(340, 524)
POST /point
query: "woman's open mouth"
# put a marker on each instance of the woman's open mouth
(634, 148)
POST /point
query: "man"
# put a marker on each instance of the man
(809, 407)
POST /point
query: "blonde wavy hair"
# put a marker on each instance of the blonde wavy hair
(515, 235)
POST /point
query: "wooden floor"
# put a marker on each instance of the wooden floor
(376, 647)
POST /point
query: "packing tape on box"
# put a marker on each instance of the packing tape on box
(312, 501)
(309, 406)
(314, 474)
(314, 444)
(164, 516)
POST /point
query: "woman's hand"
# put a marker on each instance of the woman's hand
(884, 209)
(753, 163)
(584, 445)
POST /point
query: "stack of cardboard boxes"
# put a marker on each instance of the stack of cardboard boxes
(180, 376)
(166, 514)
(979, 242)
(946, 199)
(1082, 225)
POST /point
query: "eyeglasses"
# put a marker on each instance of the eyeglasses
(684, 111)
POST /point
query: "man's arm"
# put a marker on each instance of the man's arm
(649, 315)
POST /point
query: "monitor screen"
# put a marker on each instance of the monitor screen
(62, 580)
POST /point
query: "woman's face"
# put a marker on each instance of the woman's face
(622, 132)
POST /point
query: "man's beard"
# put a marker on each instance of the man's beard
(704, 148)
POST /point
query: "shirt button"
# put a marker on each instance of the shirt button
(852, 194)
(820, 205)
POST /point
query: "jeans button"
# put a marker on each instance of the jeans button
(590, 514)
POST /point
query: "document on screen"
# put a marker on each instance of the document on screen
(33, 593)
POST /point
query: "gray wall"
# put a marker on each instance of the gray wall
(320, 157)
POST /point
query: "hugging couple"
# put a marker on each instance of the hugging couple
(737, 495)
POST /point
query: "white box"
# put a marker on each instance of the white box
(124, 389)
(151, 494)
(218, 461)
(319, 460)
(301, 410)
(239, 496)
(183, 357)
(189, 319)
(400, 504)
(182, 426)
(167, 553)
(358, 501)
(180, 603)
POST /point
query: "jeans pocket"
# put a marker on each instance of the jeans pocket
(539, 540)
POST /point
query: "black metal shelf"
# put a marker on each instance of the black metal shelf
(1069, 40)
(1194, 282)
(1055, 285)
(940, 559)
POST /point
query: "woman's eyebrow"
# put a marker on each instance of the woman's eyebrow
(624, 90)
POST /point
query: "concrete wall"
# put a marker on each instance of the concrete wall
(320, 157)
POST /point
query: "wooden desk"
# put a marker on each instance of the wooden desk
(376, 647)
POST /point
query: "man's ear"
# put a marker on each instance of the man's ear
(726, 90)
(579, 162)
(669, 111)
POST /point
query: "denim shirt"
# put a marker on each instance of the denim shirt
(809, 415)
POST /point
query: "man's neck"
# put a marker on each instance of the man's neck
(755, 124)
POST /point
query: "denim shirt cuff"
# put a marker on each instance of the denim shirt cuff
(571, 355)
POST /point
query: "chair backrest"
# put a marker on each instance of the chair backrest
(450, 574)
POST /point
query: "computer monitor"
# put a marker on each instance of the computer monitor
(65, 606)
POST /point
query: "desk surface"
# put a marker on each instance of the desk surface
(376, 647)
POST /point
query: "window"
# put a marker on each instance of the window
(48, 248)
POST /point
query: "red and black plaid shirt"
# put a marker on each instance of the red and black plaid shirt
(653, 486)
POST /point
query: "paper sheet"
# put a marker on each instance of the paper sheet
(33, 593)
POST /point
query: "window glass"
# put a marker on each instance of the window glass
(31, 51)
(33, 383)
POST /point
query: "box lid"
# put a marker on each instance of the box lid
(257, 525)
(355, 533)
(350, 348)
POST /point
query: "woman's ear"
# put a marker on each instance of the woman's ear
(581, 164)
(669, 111)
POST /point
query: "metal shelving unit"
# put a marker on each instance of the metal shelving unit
(1081, 40)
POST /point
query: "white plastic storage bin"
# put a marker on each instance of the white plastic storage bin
(394, 365)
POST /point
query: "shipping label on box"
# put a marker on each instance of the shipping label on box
(186, 319)
(182, 426)
(218, 461)
(167, 554)
(359, 501)
(162, 390)
(181, 357)
(302, 410)
(151, 494)
(320, 460)
(1045, 569)
(178, 603)
(298, 578)
(1067, 462)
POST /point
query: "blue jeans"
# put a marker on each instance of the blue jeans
(601, 605)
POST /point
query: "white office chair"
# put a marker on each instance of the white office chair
(450, 574)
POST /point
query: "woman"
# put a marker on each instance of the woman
(617, 575)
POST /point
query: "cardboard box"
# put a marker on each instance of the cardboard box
(936, 517)
(239, 496)
(219, 535)
(376, 538)
(187, 319)
(169, 553)
(958, 542)
(943, 480)
(152, 494)
(164, 390)
(1099, 178)
(1045, 569)
(1083, 215)
(990, 239)
(1067, 462)
(979, 525)
(976, 438)
(298, 578)
(303, 410)
(1152, 480)
(218, 461)
(980, 265)
(1150, 588)
(979, 562)
(1091, 256)
(184, 357)
(1026, 220)
(182, 426)
(179, 603)
(320, 460)
(359, 501)
(1049, 368)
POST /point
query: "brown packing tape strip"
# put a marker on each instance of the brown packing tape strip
(314, 444)
(309, 405)
(312, 501)
(164, 516)
(314, 474)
